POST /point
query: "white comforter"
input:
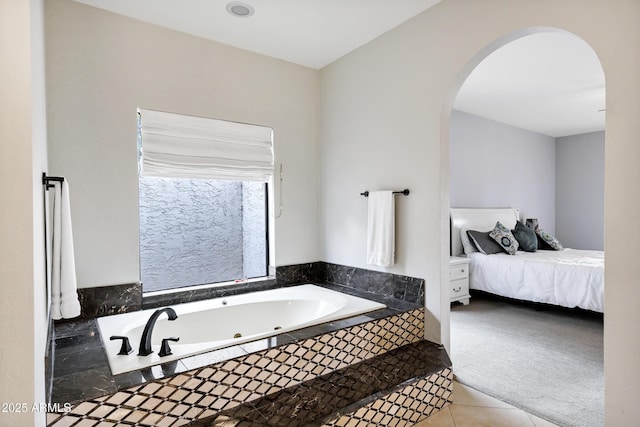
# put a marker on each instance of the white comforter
(569, 278)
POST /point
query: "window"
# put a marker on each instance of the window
(202, 200)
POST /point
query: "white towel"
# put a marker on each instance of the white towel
(381, 229)
(64, 291)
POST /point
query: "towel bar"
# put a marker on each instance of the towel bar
(405, 192)
(47, 179)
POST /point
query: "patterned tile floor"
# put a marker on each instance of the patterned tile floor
(470, 408)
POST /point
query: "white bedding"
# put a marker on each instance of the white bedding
(569, 278)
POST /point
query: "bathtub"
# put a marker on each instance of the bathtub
(221, 322)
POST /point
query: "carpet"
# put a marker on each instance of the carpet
(547, 361)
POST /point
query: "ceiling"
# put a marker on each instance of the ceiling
(312, 33)
(551, 83)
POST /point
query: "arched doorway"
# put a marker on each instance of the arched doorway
(485, 191)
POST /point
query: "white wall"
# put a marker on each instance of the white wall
(580, 191)
(496, 165)
(385, 112)
(101, 66)
(39, 166)
(23, 327)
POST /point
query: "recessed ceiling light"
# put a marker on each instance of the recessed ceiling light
(240, 9)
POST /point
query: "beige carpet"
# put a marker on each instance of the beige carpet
(547, 362)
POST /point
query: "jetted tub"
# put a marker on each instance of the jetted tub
(221, 322)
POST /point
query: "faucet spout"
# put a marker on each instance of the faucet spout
(145, 340)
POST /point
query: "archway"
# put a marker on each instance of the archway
(447, 134)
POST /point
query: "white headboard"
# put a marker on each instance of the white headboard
(481, 219)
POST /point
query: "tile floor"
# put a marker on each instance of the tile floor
(470, 408)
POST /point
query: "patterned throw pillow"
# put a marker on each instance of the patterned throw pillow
(548, 239)
(503, 236)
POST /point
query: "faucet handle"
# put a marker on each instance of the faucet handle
(165, 350)
(125, 348)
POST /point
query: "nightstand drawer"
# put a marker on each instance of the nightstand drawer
(459, 289)
(458, 271)
(459, 279)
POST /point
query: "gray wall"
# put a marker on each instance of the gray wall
(580, 191)
(195, 232)
(254, 227)
(190, 232)
(496, 165)
(560, 181)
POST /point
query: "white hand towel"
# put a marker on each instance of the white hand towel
(381, 229)
(64, 291)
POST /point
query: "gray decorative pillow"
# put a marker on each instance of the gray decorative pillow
(484, 243)
(505, 239)
(526, 237)
(548, 240)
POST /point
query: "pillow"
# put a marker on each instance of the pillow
(526, 237)
(467, 246)
(547, 240)
(484, 243)
(503, 236)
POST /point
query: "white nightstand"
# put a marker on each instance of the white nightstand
(459, 279)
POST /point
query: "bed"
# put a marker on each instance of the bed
(567, 277)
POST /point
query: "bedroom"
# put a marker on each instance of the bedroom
(347, 114)
(527, 131)
(551, 167)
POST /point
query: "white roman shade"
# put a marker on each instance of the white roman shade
(180, 146)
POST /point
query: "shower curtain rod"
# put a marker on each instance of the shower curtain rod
(47, 179)
(405, 192)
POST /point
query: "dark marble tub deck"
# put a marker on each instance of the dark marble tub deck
(81, 369)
